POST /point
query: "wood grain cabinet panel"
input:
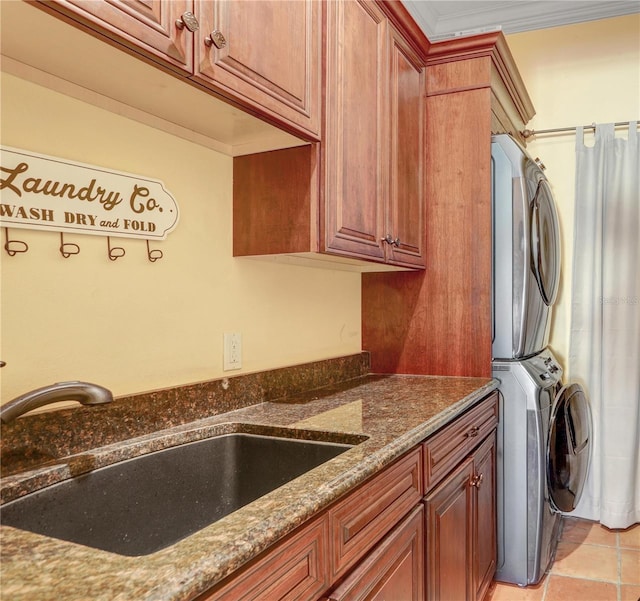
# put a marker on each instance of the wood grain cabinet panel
(406, 211)
(460, 507)
(445, 449)
(270, 56)
(449, 515)
(360, 193)
(441, 318)
(297, 568)
(146, 25)
(356, 133)
(363, 518)
(240, 50)
(394, 570)
(484, 535)
(373, 151)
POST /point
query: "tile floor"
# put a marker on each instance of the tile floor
(592, 563)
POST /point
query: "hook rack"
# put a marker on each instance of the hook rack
(114, 252)
(13, 247)
(68, 248)
(153, 255)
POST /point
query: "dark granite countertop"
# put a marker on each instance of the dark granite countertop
(394, 412)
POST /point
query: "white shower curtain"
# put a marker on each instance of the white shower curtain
(604, 347)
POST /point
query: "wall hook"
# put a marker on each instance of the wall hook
(153, 255)
(115, 252)
(68, 248)
(13, 247)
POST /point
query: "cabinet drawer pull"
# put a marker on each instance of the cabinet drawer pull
(188, 20)
(473, 432)
(216, 38)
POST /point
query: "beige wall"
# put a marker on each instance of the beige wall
(132, 325)
(576, 75)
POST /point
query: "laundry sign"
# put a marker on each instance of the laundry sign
(48, 193)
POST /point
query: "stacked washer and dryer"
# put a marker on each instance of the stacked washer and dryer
(545, 426)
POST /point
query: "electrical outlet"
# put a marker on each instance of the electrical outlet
(232, 353)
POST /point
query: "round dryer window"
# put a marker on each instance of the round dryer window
(545, 243)
(569, 448)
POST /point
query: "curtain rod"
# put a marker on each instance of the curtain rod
(529, 133)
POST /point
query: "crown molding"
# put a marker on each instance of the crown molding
(444, 20)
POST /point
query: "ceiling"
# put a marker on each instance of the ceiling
(440, 20)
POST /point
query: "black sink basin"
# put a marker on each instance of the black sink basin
(142, 505)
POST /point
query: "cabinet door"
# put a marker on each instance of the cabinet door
(485, 519)
(148, 25)
(355, 157)
(393, 570)
(265, 53)
(449, 532)
(407, 138)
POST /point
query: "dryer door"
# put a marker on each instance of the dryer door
(569, 447)
(545, 243)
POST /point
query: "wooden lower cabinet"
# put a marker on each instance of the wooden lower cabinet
(485, 528)
(394, 571)
(423, 528)
(460, 518)
(449, 530)
(375, 531)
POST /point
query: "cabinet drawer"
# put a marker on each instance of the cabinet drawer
(393, 570)
(445, 449)
(296, 568)
(363, 519)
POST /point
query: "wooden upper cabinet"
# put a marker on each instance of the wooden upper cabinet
(148, 25)
(355, 136)
(265, 53)
(407, 146)
(360, 193)
(262, 55)
(374, 138)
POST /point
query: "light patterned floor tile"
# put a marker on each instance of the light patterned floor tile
(592, 563)
(564, 588)
(630, 538)
(586, 561)
(629, 592)
(582, 531)
(510, 592)
(630, 566)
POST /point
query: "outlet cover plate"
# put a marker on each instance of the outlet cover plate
(232, 353)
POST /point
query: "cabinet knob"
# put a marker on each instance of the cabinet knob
(389, 239)
(476, 480)
(188, 20)
(473, 432)
(216, 38)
